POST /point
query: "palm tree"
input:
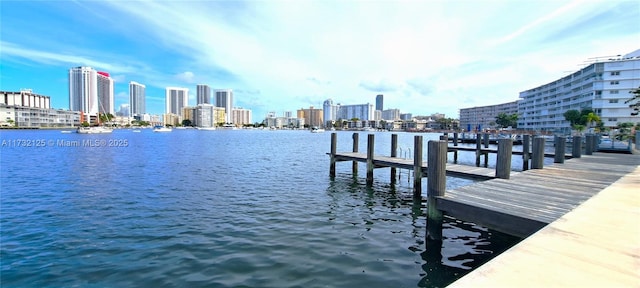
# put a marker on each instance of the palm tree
(591, 118)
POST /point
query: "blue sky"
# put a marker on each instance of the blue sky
(424, 56)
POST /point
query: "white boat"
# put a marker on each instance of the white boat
(316, 130)
(229, 127)
(136, 131)
(206, 128)
(93, 130)
(161, 129)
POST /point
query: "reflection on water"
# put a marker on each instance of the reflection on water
(221, 209)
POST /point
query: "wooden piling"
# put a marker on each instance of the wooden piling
(417, 169)
(486, 140)
(526, 147)
(394, 153)
(436, 185)
(486, 159)
(332, 161)
(354, 164)
(538, 153)
(588, 147)
(576, 148)
(478, 147)
(370, 149)
(561, 142)
(455, 139)
(503, 160)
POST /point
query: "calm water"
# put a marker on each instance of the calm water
(218, 209)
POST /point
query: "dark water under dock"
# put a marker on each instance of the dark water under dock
(218, 209)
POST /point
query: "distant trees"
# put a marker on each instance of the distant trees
(503, 120)
(624, 130)
(445, 123)
(573, 116)
(581, 119)
(106, 117)
(186, 122)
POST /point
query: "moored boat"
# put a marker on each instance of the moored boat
(161, 129)
(93, 130)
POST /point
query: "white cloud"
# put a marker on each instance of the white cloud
(187, 77)
(423, 55)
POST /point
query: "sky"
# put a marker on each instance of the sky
(425, 57)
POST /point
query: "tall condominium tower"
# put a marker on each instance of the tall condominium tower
(105, 93)
(137, 98)
(83, 90)
(379, 102)
(224, 99)
(176, 99)
(203, 94)
(330, 112)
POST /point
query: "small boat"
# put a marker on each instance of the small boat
(206, 128)
(161, 129)
(136, 131)
(316, 130)
(66, 131)
(93, 130)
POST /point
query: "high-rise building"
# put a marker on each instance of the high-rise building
(359, 111)
(83, 90)
(137, 98)
(105, 93)
(176, 99)
(391, 114)
(203, 94)
(379, 102)
(311, 116)
(330, 112)
(224, 99)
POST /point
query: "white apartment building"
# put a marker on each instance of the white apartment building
(603, 86)
(241, 116)
(391, 114)
(360, 111)
(26, 109)
(482, 117)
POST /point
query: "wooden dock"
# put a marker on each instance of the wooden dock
(532, 199)
(454, 170)
(583, 212)
(595, 245)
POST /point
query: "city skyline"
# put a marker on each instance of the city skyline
(428, 57)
